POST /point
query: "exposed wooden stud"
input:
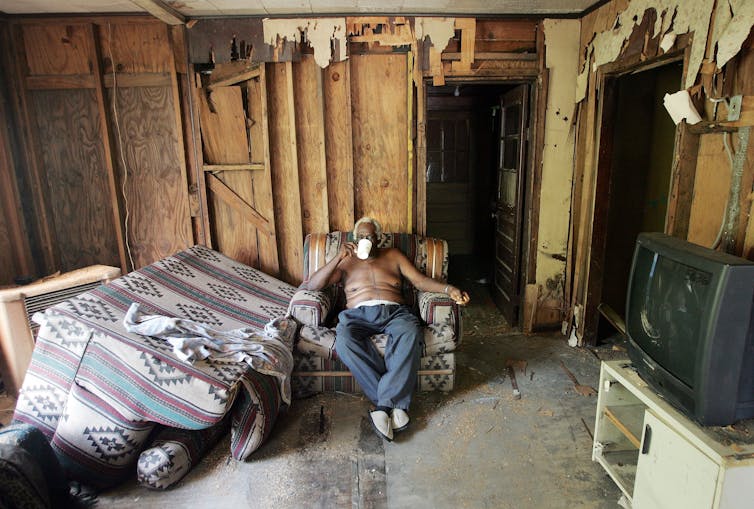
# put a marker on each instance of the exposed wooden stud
(284, 171)
(435, 66)
(244, 75)
(339, 145)
(262, 181)
(145, 79)
(467, 26)
(310, 144)
(196, 98)
(234, 167)
(421, 157)
(161, 11)
(60, 82)
(238, 204)
(491, 56)
(409, 140)
(107, 147)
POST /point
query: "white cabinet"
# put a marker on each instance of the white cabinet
(661, 459)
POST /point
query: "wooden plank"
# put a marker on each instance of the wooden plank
(379, 137)
(223, 126)
(74, 161)
(227, 195)
(149, 149)
(144, 79)
(421, 156)
(446, 56)
(162, 11)
(682, 177)
(224, 140)
(232, 73)
(135, 47)
(310, 144)
(711, 189)
(60, 82)
(108, 156)
(410, 141)
(205, 224)
(262, 181)
(57, 49)
(234, 167)
(41, 206)
(284, 166)
(467, 26)
(339, 145)
(627, 419)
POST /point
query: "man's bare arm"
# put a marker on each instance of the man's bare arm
(330, 273)
(427, 284)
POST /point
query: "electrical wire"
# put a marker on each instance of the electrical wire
(120, 144)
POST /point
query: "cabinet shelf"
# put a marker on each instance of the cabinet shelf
(628, 419)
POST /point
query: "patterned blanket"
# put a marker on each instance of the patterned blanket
(97, 390)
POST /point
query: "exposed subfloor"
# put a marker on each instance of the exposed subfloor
(475, 447)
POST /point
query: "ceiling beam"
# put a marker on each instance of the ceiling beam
(161, 11)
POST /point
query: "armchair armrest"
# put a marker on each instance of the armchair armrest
(440, 313)
(310, 307)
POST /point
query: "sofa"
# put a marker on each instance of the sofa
(316, 364)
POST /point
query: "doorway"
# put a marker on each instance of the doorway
(477, 153)
(636, 147)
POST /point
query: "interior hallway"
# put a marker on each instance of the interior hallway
(475, 447)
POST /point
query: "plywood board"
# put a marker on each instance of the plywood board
(339, 145)
(57, 49)
(225, 141)
(379, 138)
(135, 48)
(146, 141)
(711, 189)
(262, 181)
(68, 128)
(284, 166)
(310, 143)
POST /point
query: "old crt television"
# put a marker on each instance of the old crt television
(689, 320)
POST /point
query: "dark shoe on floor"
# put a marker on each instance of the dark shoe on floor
(381, 423)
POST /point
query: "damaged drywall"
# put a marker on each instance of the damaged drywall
(562, 43)
(733, 22)
(326, 35)
(439, 31)
(734, 31)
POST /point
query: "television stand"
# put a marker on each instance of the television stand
(659, 458)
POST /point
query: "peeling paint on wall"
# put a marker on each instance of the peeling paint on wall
(318, 32)
(735, 31)
(439, 30)
(562, 43)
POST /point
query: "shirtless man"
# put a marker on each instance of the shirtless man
(375, 305)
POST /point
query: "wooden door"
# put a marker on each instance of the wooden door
(512, 147)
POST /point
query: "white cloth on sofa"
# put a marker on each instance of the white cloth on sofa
(192, 341)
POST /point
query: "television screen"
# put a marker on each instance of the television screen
(669, 300)
(691, 327)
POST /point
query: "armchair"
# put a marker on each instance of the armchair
(316, 364)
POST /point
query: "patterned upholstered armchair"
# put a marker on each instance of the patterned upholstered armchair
(317, 367)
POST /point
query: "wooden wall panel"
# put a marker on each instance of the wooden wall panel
(339, 145)
(310, 142)
(156, 191)
(225, 142)
(135, 48)
(378, 95)
(58, 49)
(262, 181)
(284, 166)
(70, 145)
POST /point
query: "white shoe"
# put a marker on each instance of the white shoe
(399, 420)
(381, 424)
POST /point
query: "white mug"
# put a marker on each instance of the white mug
(363, 249)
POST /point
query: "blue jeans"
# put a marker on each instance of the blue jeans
(387, 381)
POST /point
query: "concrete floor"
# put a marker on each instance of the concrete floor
(475, 447)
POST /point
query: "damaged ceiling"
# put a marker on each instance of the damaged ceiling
(202, 8)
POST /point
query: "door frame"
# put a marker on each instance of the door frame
(682, 177)
(532, 174)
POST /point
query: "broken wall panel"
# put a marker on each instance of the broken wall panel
(310, 144)
(380, 139)
(211, 40)
(284, 171)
